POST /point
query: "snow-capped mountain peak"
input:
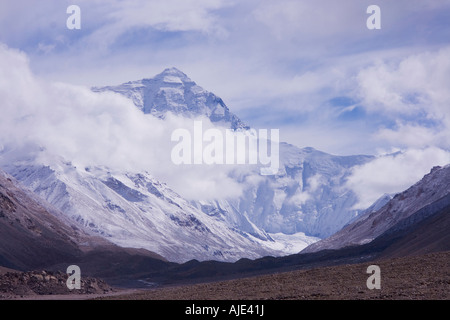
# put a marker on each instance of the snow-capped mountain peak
(173, 75)
(173, 91)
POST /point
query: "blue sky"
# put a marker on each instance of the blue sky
(310, 68)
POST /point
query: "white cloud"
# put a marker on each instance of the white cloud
(272, 63)
(393, 173)
(415, 136)
(418, 82)
(169, 15)
(119, 17)
(308, 20)
(413, 92)
(89, 128)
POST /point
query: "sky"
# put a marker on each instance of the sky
(311, 69)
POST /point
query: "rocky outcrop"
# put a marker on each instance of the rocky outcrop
(47, 283)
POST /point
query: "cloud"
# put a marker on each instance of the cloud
(305, 20)
(171, 15)
(414, 93)
(134, 20)
(393, 173)
(415, 136)
(311, 186)
(275, 65)
(415, 83)
(94, 129)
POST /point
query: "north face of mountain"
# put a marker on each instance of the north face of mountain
(173, 91)
(434, 189)
(307, 195)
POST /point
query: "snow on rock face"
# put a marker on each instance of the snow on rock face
(136, 210)
(307, 195)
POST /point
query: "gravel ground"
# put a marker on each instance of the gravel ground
(424, 277)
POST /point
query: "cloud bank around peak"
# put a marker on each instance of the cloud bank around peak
(90, 129)
(309, 68)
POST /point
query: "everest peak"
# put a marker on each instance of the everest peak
(173, 91)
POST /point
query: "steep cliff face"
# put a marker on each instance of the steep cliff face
(31, 236)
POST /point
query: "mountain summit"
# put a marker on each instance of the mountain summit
(173, 91)
(173, 74)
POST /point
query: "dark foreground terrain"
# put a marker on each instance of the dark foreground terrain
(425, 277)
(422, 277)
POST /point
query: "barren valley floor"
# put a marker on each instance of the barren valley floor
(425, 277)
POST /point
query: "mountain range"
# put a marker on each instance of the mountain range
(417, 231)
(305, 201)
(37, 235)
(93, 215)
